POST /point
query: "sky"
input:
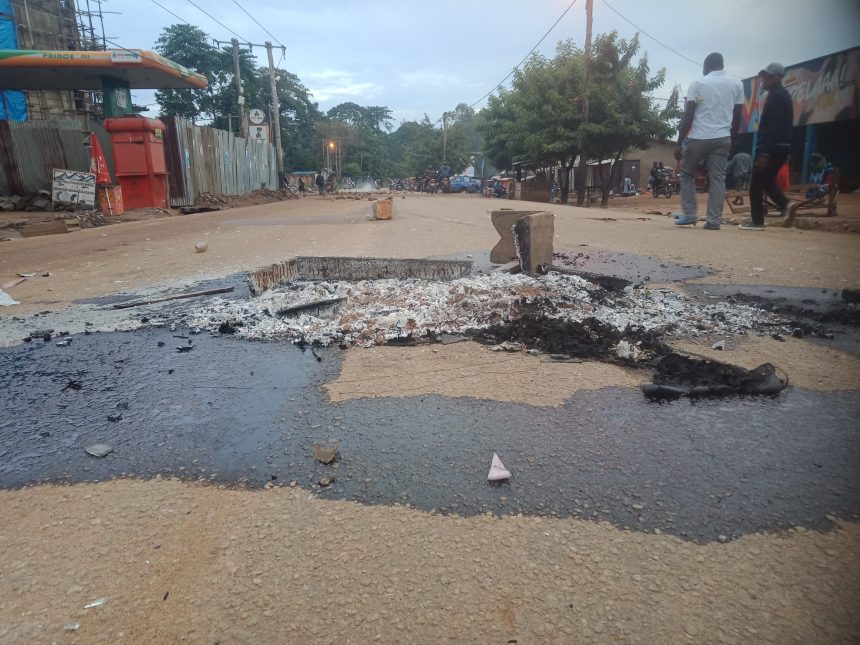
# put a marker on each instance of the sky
(421, 58)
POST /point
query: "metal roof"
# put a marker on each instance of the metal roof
(22, 69)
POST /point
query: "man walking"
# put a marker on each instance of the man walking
(707, 132)
(774, 145)
(320, 181)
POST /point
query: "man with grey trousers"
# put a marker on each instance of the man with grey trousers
(707, 132)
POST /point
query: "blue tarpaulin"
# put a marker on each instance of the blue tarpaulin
(13, 103)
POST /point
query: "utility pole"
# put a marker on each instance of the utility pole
(276, 113)
(237, 77)
(444, 137)
(583, 157)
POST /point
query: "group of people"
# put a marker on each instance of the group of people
(708, 134)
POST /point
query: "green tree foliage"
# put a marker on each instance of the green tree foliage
(622, 117)
(540, 118)
(300, 116)
(537, 120)
(191, 47)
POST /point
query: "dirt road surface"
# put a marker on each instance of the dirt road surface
(180, 560)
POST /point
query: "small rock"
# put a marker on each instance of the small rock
(325, 454)
(720, 345)
(328, 480)
(99, 450)
(201, 247)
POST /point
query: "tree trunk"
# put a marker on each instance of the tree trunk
(605, 186)
(581, 173)
(565, 182)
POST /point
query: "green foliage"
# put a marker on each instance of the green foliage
(540, 118)
(190, 46)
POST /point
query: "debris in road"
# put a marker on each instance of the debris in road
(318, 306)
(631, 351)
(325, 454)
(114, 417)
(179, 296)
(383, 209)
(509, 267)
(71, 627)
(44, 334)
(720, 344)
(401, 309)
(533, 238)
(193, 210)
(64, 343)
(184, 348)
(677, 375)
(95, 603)
(498, 472)
(228, 327)
(166, 594)
(450, 339)
(15, 281)
(778, 336)
(506, 346)
(99, 450)
(326, 481)
(72, 385)
(201, 247)
(6, 300)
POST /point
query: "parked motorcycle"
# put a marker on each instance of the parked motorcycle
(665, 184)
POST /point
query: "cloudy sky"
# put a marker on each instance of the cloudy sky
(426, 57)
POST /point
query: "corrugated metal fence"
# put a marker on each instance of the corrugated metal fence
(206, 160)
(30, 150)
(199, 159)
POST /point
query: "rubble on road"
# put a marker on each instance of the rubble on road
(396, 309)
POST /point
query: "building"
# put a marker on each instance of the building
(826, 96)
(64, 25)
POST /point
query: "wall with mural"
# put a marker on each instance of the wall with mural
(824, 90)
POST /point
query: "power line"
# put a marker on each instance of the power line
(659, 42)
(564, 13)
(170, 12)
(194, 4)
(259, 24)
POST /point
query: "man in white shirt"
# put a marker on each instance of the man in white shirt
(707, 133)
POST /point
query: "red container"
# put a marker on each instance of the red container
(138, 154)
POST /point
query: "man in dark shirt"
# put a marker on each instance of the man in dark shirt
(772, 149)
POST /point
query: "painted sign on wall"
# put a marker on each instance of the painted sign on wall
(823, 90)
(74, 187)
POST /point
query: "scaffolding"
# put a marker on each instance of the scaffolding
(62, 25)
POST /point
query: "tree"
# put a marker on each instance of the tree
(537, 120)
(622, 117)
(190, 47)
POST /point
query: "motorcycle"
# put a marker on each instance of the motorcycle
(664, 186)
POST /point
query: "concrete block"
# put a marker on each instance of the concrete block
(503, 220)
(533, 238)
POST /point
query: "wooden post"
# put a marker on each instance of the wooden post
(276, 114)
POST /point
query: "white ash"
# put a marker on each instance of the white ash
(382, 310)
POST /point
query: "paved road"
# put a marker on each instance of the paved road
(234, 411)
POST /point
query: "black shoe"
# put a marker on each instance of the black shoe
(711, 227)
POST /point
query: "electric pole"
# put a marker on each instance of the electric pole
(276, 114)
(237, 77)
(444, 137)
(583, 157)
